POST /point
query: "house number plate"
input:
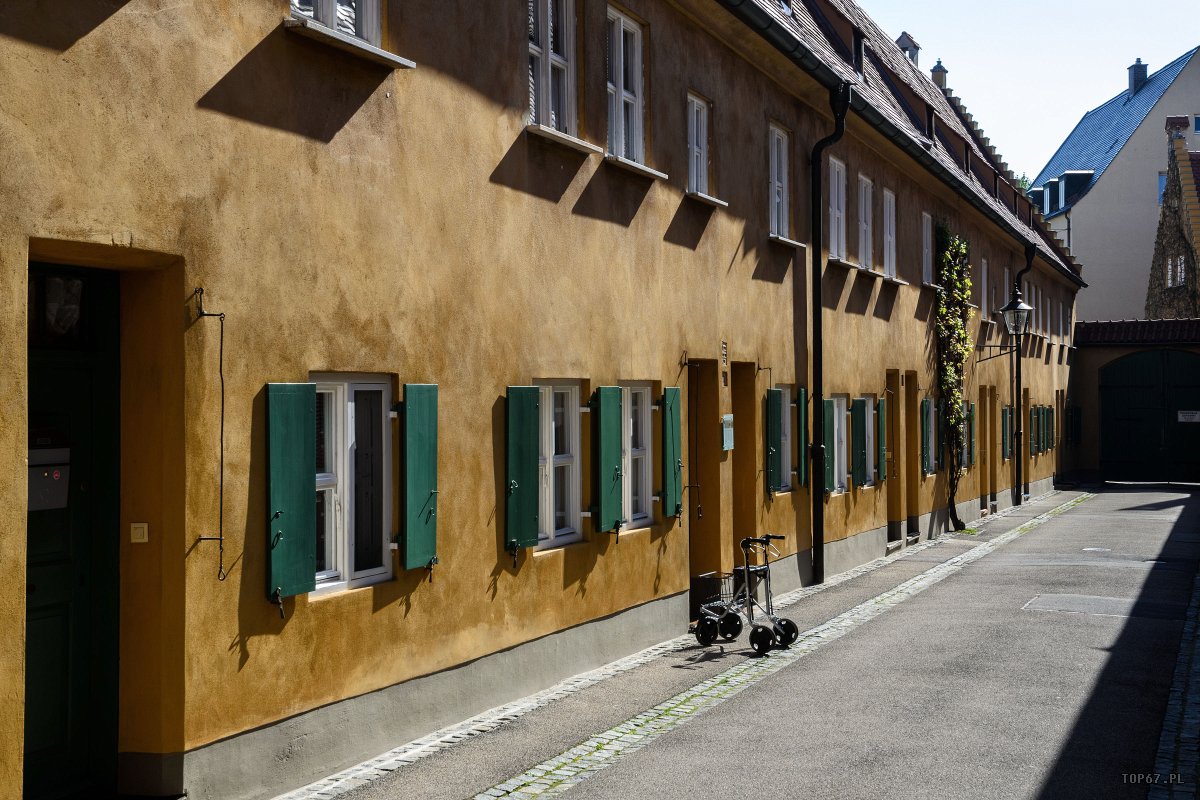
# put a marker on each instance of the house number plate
(1189, 416)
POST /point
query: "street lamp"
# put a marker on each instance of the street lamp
(1016, 316)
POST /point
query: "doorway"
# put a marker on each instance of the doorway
(1150, 417)
(72, 585)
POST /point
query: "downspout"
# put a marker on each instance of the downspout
(1018, 450)
(839, 102)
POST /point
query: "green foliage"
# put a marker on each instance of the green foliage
(954, 344)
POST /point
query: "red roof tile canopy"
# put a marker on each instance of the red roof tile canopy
(1137, 331)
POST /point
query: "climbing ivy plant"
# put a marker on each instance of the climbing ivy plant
(953, 317)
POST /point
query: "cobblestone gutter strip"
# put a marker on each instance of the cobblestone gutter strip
(439, 740)
(1175, 767)
(560, 773)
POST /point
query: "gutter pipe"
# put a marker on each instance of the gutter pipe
(839, 102)
(1018, 406)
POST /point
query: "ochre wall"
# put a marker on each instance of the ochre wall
(350, 219)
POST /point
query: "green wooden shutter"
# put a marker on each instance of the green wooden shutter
(858, 439)
(939, 432)
(291, 492)
(775, 407)
(420, 414)
(672, 454)
(1005, 433)
(606, 434)
(802, 437)
(521, 508)
(926, 464)
(1032, 431)
(828, 412)
(971, 440)
(1053, 429)
(881, 439)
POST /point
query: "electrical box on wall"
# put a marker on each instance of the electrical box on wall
(727, 432)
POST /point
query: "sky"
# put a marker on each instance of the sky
(1028, 70)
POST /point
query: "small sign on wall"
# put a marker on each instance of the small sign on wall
(727, 432)
(1189, 416)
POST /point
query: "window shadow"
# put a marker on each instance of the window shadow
(885, 302)
(860, 293)
(924, 305)
(297, 85)
(538, 167)
(1117, 732)
(773, 262)
(689, 223)
(833, 285)
(613, 195)
(54, 24)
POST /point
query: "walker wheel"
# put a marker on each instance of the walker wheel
(706, 631)
(730, 627)
(762, 639)
(786, 632)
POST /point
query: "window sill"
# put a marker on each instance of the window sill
(894, 281)
(557, 546)
(869, 272)
(937, 286)
(786, 242)
(708, 200)
(335, 588)
(564, 139)
(634, 167)
(841, 262)
(312, 29)
(987, 321)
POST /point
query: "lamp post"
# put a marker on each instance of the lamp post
(1016, 316)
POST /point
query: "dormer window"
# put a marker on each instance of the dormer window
(858, 51)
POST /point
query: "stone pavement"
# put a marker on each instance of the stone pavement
(672, 696)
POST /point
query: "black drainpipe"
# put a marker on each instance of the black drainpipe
(839, 101)
(1018, 407)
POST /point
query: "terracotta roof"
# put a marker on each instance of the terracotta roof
(813, 36)
(1137, 331)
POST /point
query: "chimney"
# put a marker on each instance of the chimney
(909, 46)
(1137, 76)
(939, 74)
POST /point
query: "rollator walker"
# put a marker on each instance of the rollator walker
(723, 615)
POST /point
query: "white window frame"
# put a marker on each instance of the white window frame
(635, 517)
(785, 437)
(927, 275)
(698, 113)
(625, 108)
(341, 573)
(983, 285)
(841, 442)
(931, 424)
(548, 63)
(1004, 290)
(778, 143)
(837, 209)
(872, 404)
(889, 233)
(549, 464)
(866, 222)
(366, 19)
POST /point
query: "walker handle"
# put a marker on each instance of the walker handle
(770, 536)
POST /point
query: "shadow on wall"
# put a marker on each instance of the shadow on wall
(773, 262)
(885, 303)
(56, 24)
(297, 85)
(538, 167)
(689, 223)
(613, 195)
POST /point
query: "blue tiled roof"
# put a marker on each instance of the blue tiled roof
(1104, 130)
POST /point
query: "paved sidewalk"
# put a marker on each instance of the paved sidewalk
(515, 747)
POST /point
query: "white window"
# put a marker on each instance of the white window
(889, 233)
(624, 86)
(558, 465)
(697, 144)
(983, 286)
(1170, 271)
(837, 209)
(636, 457)
(866, 223)
(869, 432)
(926, 247)
(1002, 300)
(778, 141)
(785, 438)
(841, 442)
(358, 18)
(353, 480)
(552, 64)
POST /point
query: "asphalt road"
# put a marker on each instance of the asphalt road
(1039, 670)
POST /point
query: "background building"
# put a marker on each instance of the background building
(1172, 292)
(1100, 191)
(500, 317)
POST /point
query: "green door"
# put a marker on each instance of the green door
(1148, 402)
(72, 561)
